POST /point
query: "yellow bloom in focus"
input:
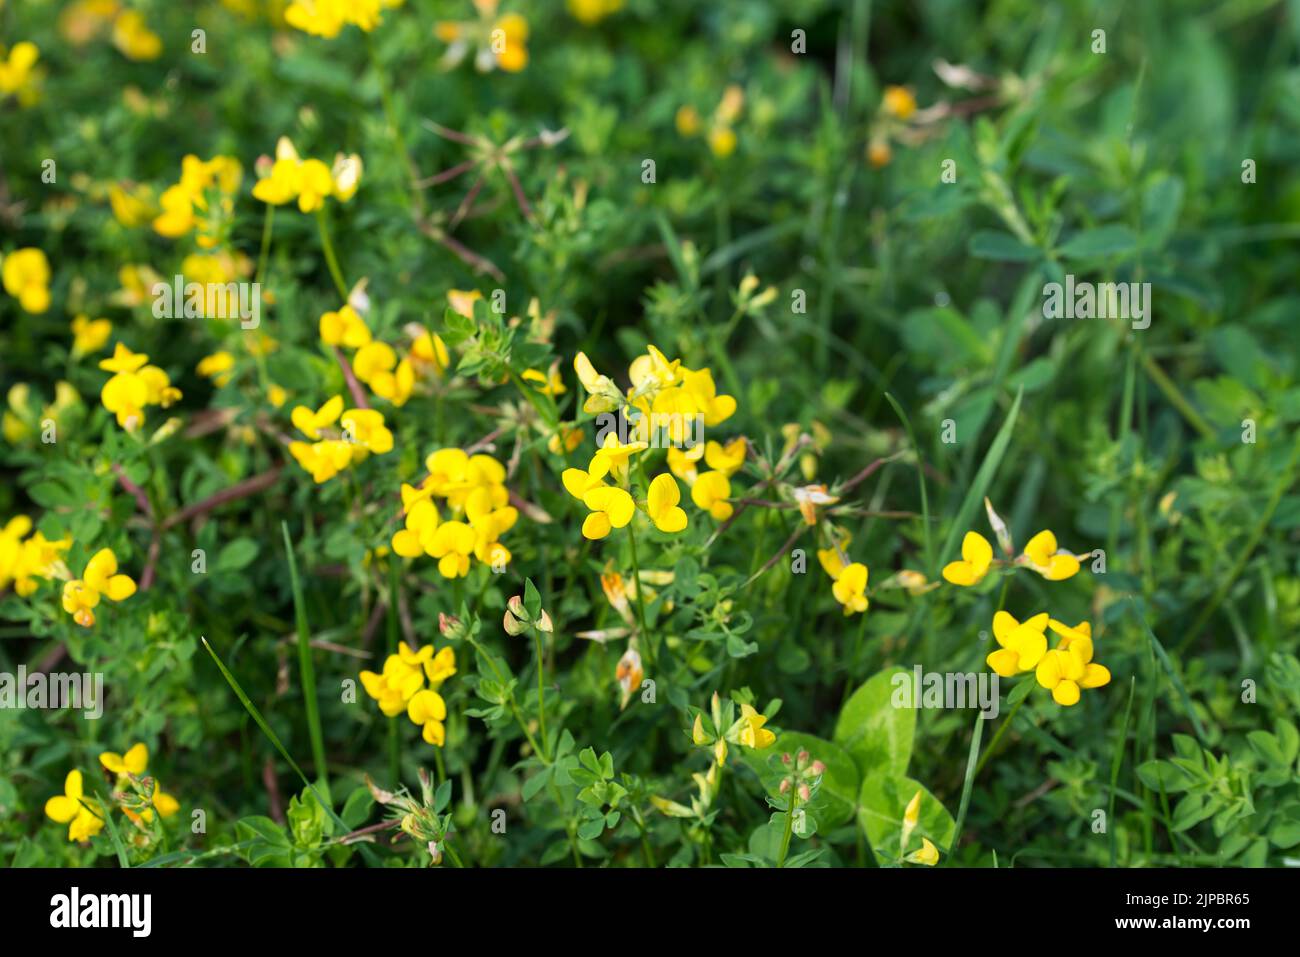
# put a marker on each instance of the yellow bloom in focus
(603, 395)
(710, 492)
(752, 732)
(89, 335)
(898, 101)
(850, 588)
(976, 557)
(344, 328)
(661, 504)
(1023, 645)
(428, 710)
(1041, 551)
(133, 38)
(365, 429)
(67, 808)
(421, 522)
(611, 507)
(1069, 666)
(217, 367)
(394, 686)
(26, 276)
(613, 457)
(452, 544)
(99, 580)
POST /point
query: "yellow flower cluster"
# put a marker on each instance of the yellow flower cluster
(202, 200)
(100, 580)
(400, 687)
(26, 276)
(1063, 670)
(309, 181)
(327, 18)
(18, 73)
(89, 335)
(85, 817)
(1041, 554)
(134, 385)
(747, 730)
(849, 578)
(332, 450)
(376, 363)
(478, 507)
(722, 136)
(24, 560)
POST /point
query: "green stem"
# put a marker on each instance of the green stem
(265, 253)
(789, 827)
(1002, 729)
(640, 595)
(541, 691)
(331, 260)
(305, 667)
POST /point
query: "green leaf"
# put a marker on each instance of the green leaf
(992, 244)
(873, 731)
(236, 555)
(1094, 243)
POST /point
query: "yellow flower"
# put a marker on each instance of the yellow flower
(217, 367)
(850, 588)
(26, 277)
(593, 11)
(513, 53)
(344, 328)
(366, 430)
(315, 185)
(134, 762)
(310, 423)
(710, 492)
(1023, 645)
(429, 349)
(927, 855)
(613, 458)
(277, 395)
(701, 388)
(428, 710)
(726, 459)
(603, 395)
(1043, 557)
(1069, 666)
(722, 141)
(89, 335)
(440, 667)
(611, 507)
(18, 74)
(551, 383)
(752, 732)
(976, 557)
(323, 460)
(879, 154)
(100, 579)
(394, 686)
(898, 101)
(134, 39)
(661, 504)
(452, 543)
(67, 808)
(132, 206)
(687, 121)
(346, 174)
(421, 522)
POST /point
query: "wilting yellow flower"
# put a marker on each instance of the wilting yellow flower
(628, 673)
(26, 276)
(18, 73)
(67, 808)
(134, 39)
(89, 335)
(710, 492)
(344, 328)
(661, 504)
(1069, 666)
(134, 762)
(1023, 645)
(898, 101)
(1041, 551)
(217, 367)
(752, 732)
(976, 557)
(850, 588)
(99, 580)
